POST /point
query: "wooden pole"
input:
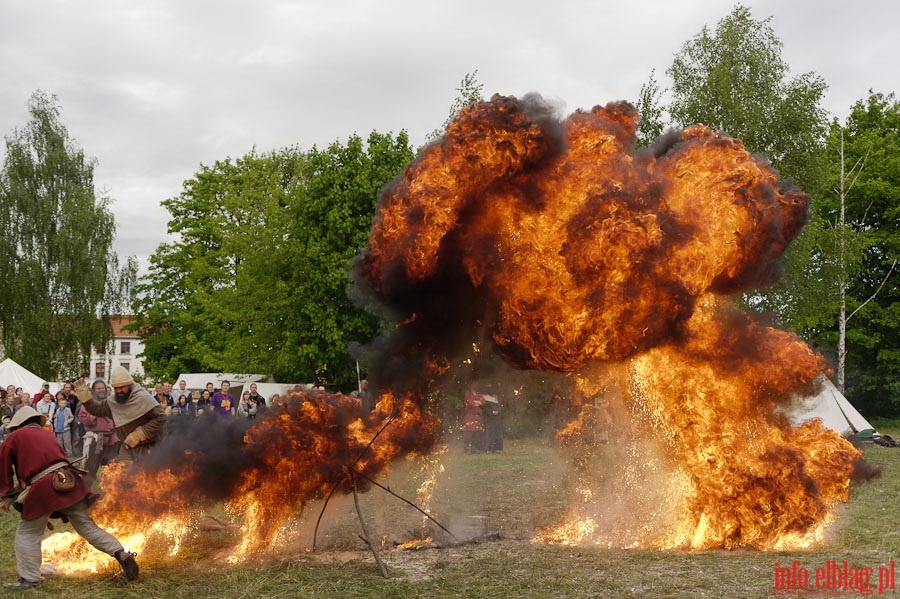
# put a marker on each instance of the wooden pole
(322, 513)
(343, 478)
(362, 523)
(401, 498)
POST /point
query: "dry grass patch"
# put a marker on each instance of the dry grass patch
(512, 493)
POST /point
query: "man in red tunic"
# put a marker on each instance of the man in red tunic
(100, 442)
(473, 421)
(33, 455)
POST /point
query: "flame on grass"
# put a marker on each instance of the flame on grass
(292, 455)
(567, 252)
(578, 255)
(736, 473)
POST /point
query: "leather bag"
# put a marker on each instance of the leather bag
(63, 480)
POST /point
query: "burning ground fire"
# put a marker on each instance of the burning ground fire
(567, 252)
(264, 475)
(577, 255)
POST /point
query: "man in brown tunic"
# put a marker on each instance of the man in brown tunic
(140, 421)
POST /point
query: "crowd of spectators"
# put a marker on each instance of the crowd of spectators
(60, 409)
(70, 423)
(185, 402)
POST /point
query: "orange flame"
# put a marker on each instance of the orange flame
(574, 251)
(294, 454)
(574, 254)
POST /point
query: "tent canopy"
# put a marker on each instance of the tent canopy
(198, 380)
(239, 383)
(267, 390)
(833, 409)
(11, 373)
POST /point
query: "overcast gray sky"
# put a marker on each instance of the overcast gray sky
(154, 88)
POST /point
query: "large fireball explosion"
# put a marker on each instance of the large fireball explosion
(554, 245)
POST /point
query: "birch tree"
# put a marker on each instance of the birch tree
(61, 276)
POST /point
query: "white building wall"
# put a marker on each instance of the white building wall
(115, 356)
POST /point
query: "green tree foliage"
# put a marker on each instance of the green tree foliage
(60, 275)
(257, 277)
(333, 215)
(650, 112)
(211, 293)
(469, 92)
(871, 141)
(734, 79)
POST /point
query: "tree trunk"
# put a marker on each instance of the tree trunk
(842, 285)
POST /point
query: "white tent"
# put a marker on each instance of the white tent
(198, 380)
(11, 373)
(267, 390)
(239, 383)
(833, 409)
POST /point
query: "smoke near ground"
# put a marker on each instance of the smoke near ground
(522, 251)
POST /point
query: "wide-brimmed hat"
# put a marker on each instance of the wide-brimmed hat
(22, 414)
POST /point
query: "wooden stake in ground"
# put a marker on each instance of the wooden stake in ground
(362, 523)
(343, 478)
(353, 474)
(405, 500)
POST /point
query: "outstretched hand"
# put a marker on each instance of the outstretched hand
(6, 502)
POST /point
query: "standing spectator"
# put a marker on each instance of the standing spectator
(256, 398)
(558, 415)
(182, 389)
(366, 403)
(247, 408)
(222, 401)
(4, 422)
(604, 419)
(46, 407)
(76, 431)
(185, 406)
(24, 398)
(11, 391)
(167, 389)
(6, 412)
(473, 422)
(100, 443)
(203, 404)
(62, 422)
(163, 399)
(211, 388)
(276, 401)
(493, 425)
(160, 396)
(9, 405)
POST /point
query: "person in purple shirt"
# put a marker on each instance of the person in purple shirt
(222, 401)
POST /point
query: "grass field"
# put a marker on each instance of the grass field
(508, 495)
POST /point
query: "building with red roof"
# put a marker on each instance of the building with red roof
(123, 349)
